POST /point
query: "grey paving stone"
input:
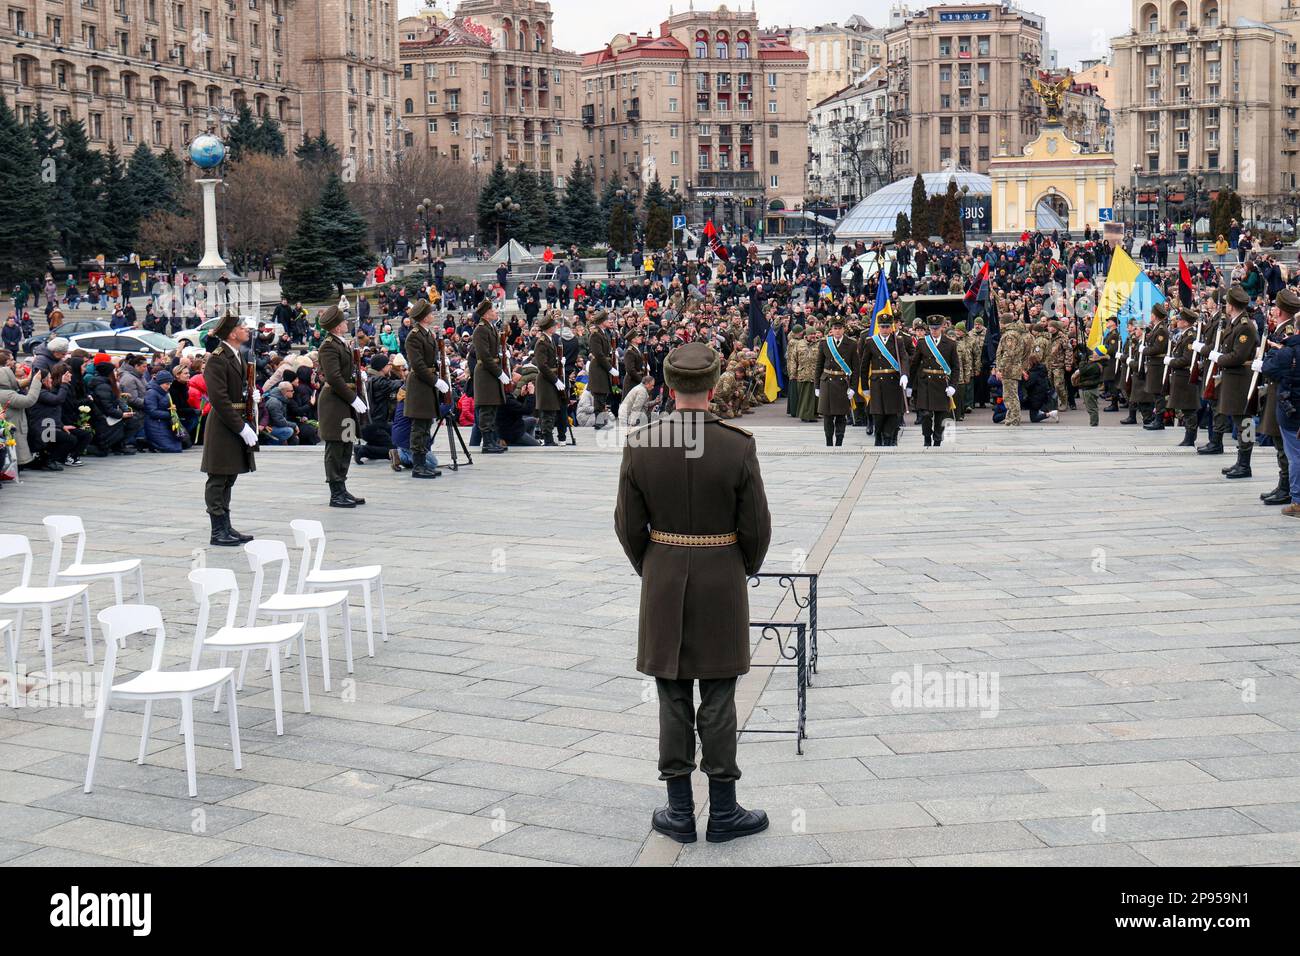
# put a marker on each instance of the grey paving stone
(344, 844)
(1243, 850)
(566, 846)
(918, 842)
(264, 856)
(1136, 827)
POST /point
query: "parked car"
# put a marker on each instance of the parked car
(69, 328)
(124, 342)
(199, 334)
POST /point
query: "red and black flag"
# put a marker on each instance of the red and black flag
(711, 234)
(1184, 283)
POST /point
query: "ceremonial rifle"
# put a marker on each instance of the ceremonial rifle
(1192, 370)
(1259, 357)
(250, 407)
(1208, 394)
(508, 387)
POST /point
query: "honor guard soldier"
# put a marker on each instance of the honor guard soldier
(836, 359)
(634, 359)
(882, 377)
(1155, 346)
(692, 517)
(1135, 373)
(338, 406)
(1110, 367)
(601, 370)
(1285, 307)
(489, 377)
(1236, 351)
(228, 439)
(1184, 391)
(933, 380)
(552, 392)
(424, 386)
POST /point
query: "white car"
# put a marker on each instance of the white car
(198, 335)
(123, 342)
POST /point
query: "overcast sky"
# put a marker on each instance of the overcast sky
(1077, 29)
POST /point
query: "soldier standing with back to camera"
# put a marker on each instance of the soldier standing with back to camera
(339, 407)
(601, 369)
(552, 392)
(693, 519)
(933, 378)
(1155, 346)
(424, 386)
(489, 377)
(228, 439)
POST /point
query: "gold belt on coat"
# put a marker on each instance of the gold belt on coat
(934, 371)
(833, 371)
(238, 406)
(693, 540)
(884, 371)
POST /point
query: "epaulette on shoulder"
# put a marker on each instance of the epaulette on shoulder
(735, 428)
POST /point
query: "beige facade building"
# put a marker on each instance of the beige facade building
(847, 149)
(960, 85)
(838, 54)
(1086, 118)
(345, 63)
(155, 71)
(716, 109)
(1209, 88)
(488, 84)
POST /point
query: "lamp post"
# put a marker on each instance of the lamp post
(1294, 196)
(506, 208)
(423, 210)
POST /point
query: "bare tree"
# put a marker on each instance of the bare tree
(852, 143)
(388, 197)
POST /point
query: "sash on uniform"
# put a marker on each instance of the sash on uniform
(943, 364)
(889, 356)
(839, 359)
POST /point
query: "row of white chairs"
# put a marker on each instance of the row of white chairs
(320, 592)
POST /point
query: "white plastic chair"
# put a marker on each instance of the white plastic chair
(310, 537)
(210, 582)
(11, 645)
(59, 527)
(266, 551)
(122, 622)
(25, 597)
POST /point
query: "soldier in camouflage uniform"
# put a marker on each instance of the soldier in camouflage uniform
(979, 336)
(726, 395)
(962, 369)
(807, 365)
(1014, 348)
(1058, 356)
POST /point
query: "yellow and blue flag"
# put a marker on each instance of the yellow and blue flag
(770, 358)
(1128, 293)
(882, 306)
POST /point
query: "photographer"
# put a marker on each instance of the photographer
(383, 386)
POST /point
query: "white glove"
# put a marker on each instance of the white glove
(909, 392)
(257, 396)
(950, 391)
(504, 378)
(1215, 356)
(817, 393)
(903, 382)
(443, 386)
(358, 406)
(249, 436)
(1169, 359)
(613, 373)
(849, 392)
(1199, 347)
(559, 386)
(1257, 365)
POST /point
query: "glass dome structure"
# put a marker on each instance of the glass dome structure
(875, 216)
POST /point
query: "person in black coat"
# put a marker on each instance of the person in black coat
(1038, 392)
(53, 443)
(108, 411)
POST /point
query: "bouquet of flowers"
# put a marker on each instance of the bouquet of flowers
(8, 450)
(83, 416)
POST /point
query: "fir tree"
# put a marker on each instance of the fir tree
(902, 228)
(242, 134)
(555, 227)
(309, 267)
(25, 235)
(317, 151)
(174, 169)
(950, 226)
(121, 217)
(658, 218)
(270, 137)
(45, 139)
(532, 223)
(494, 190)
(582, 223)
(150, 181)
(79, 197)
(920, 210)
(343, 233)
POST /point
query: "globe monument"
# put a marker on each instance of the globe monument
(207, 153)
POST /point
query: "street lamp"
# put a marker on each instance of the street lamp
(422, 210)
(506, 208)
(1294, 196)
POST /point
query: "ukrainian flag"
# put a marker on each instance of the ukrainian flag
(882, 306)
(1128, 293)
(770, 358)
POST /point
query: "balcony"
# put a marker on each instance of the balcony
(511, 80)
(589, 116)
(634, 115)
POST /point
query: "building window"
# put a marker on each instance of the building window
(406, 71)
(672, 77)
(772, 155)
(672, 105)
(771, 81)
(455, 127)
(674, 131)
(451, 69)
(674, 158)
(771, 106)
(433, 126)
(409, 106)
(701, 49)
(775, 182)
(433, 97)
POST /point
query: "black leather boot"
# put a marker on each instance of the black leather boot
(728, 820)
(1242, 468)
(677, 820)
(1189, 435)
(337, 498)
(1212, 447)
(840, 422)
(492, 444)
(343, 485)
(1114, 404)
(548, 438)
(926, 431)
(1156, 424)
(1132, 416)
(938, 434)
(1281, 495)
(243, 538)
(221, 534)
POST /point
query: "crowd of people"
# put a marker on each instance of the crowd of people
(1023, 317)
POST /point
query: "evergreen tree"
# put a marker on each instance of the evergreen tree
(531, 224)
(658, 217)
(242, 134)
(270, 137)
(1225, 208)
(902, 228)
(950, 226)
(174, 169)
(494, 190)
(79, 197)
(150, 181)
(343, 233)
(555, 228)
(45, 139)
(25, 234)
(609, 197)
(581, 219)
(308, 265)
(121, 217)
(920, 210)
(317, 151)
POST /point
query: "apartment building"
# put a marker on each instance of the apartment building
(848, 156)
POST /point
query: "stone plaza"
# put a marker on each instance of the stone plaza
(1125, 619)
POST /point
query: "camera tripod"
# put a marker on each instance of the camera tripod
(454, 437)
